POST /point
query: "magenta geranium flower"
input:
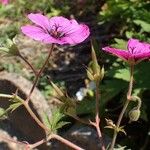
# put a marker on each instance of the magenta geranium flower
(136, 51)
(4, 2)
(55, 30)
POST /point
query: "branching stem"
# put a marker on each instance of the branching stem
(96, 124)
(51, 136)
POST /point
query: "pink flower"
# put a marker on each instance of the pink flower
(55, 30)
(137, 51)
(4, 2)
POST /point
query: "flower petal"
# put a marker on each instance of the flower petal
(37, 33)
(56, 30)
(4, 2)
(118, 52)
(137, 47)
(59, 22)
(39, 20)
(76, 34)
(142, 56)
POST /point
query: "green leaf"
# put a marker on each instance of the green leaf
(55, 122)
(129, 34)
(14, 106)
(120, 43)
(109, 89)
(4, 49)
(61, 124)
(3, 113)
(46, 120)
(144, 25)
(120, 73)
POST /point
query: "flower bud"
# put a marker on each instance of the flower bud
(95, 66)
(134, 114)
(10, 48)
(58, 90)
(94, 71)
(90, 74)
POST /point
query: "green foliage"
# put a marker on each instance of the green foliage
(14, 106)
(56, 122)
(11, 67)
(145, 26)
(120, 43)
(16, 8)
(109, 90)
(13, 15)
(15, 103)
(134, 17)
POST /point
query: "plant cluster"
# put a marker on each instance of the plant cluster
(59, 30)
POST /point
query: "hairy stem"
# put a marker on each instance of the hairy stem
(96, 124)
(39, 143)
(81, 120)
(6, 96)
(26, 105)
(39, 73)
(59, 138)
(28, 63)
(97, 118)
(66, 142)
(124, 107)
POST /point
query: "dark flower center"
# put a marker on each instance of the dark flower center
(56, 34)
(132, 49)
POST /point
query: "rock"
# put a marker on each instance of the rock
(20, 120)
(83, 136)
(8, 145)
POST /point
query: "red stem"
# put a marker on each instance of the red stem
(39, 73)
(59, 138)
(27, 62)
(96, 124)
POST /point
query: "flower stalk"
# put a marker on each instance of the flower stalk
(129, 98)
(39, 73)
(28, 63)
(96, 124)
(96, 74)
(57, 137)
(26, 105)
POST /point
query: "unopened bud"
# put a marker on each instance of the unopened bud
(95, 66)
(58, 90)
(94, 71)
(90, 74)
(10, 48)
(134, 114)
(13, 50)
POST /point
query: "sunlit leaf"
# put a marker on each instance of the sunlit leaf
(144, 25)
